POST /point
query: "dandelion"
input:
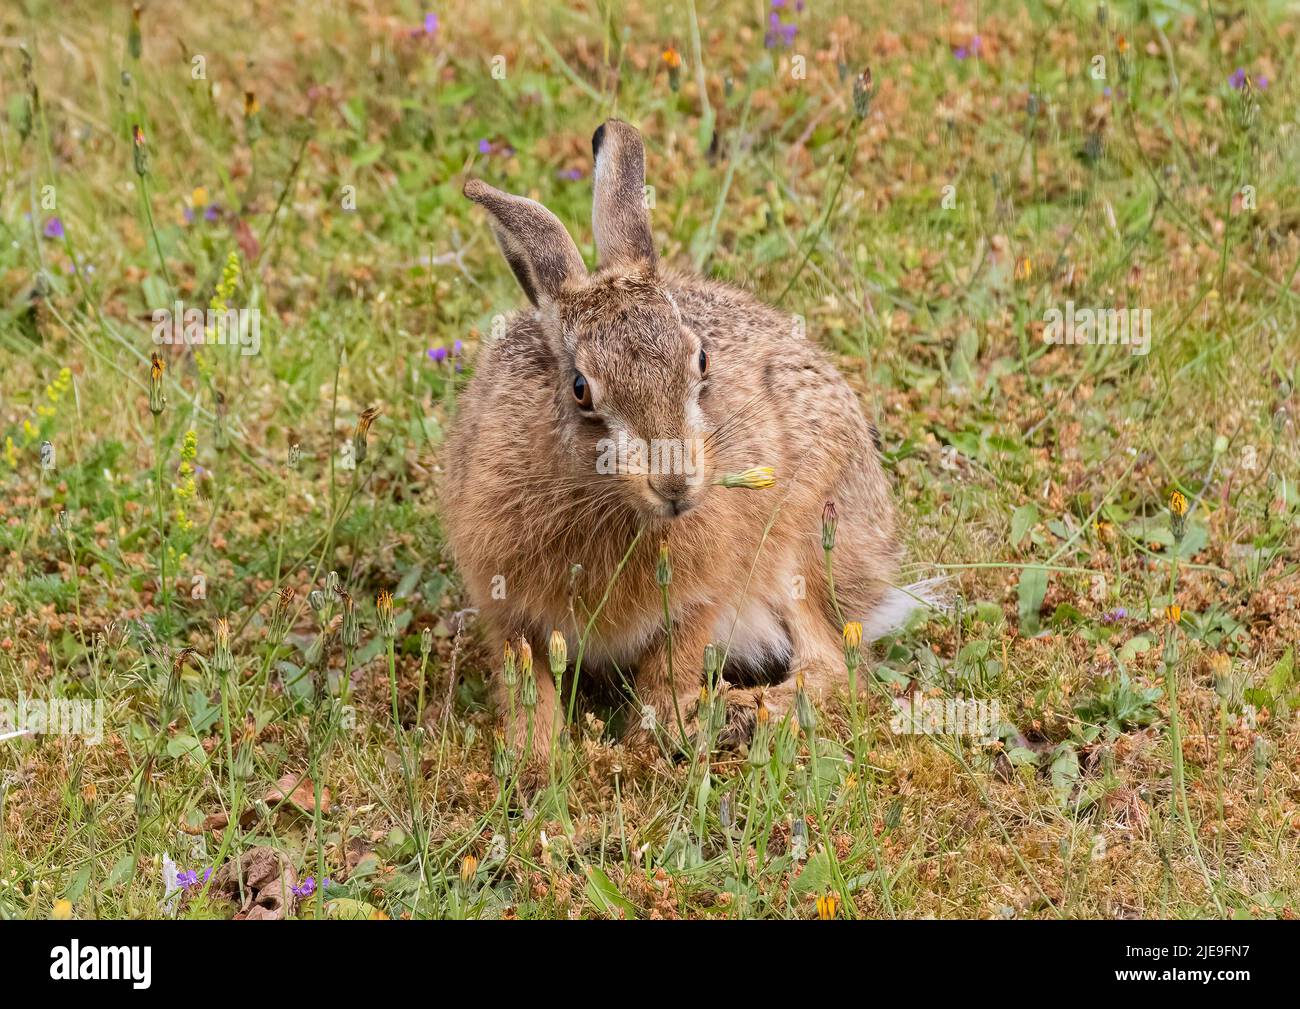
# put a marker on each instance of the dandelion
(252, 117)
(510, 672)
(1174, 613)
(1178, 515)
(156, 398)
(528, 696)
(351, 629)
(672, 59)
(1024, 268)
(62, 910)
(863, 92)
(756, 478)
(384, 612)
(221, 657)
(500, 758)
(827, 906)
(359, 439)
(803, 707)
(852, 645)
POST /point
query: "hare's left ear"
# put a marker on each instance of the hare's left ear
(619, 216)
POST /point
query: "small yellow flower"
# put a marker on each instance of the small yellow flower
(62, 910)
(468, 869)
(853, 635)
(1024, 268)
(757, 478)
(199, 198)
(827, 906)
(250, 104)
(672, 58)
(1178, 503)
(1173, 613)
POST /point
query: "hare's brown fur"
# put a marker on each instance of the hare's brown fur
(524, 503)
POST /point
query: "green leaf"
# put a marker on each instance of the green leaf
(1023, 519)
(1032, 590)
(120, 871)
(1279, 680)
(602, 892)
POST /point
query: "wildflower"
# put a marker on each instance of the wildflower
(1173, 613)
(468, 869)
(852, 645)
(559, 655)
(528, 696)
(426, 643)
(570, 174)
(54, 392)
(663, 568)
(156, 398)
(53, 228)
(500, 758)
(830, 519)
(1178, 503)
(186, 488)
(778, 32)
(62, 910)
(437, 354)
(1115, 615)
(827, 906)
(363, 431)
(10, 453)
(1237, 80)
(974, 49)
(140, 152)
(316, 600)
(756, 478)
(295, 455)
(306, 888)
(485, 146)
(673, 61)
(187, 879)
(384, 611)
(803, 707)
(431, 24)
(252, 117)
(710, 659)
(1024, 268)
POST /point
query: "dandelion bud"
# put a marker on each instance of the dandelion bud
(65, 521)
(757, 478)
(426, 643)
(244, 762)
(133, 44)
(280, 615)
(863, 92)
(316, 600)
(852, 645)
(384, 613)
(1174, 613)
(351, 631)
(1177, 515)
(663, 568)
(509, 671)
(332, 585)
(139, 151)
(468, 869)
(525, 656)
(156, 398)
(528, 693)
(827, 906)
(710, 661)
(221, 658)
(500, 758)
(252, 117)
(559, 655)
(830, 519)
(360, 438)
(295, 455)
(803, 708)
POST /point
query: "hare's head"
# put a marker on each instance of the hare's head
(630, 376)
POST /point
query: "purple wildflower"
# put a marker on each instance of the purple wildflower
(485, 146)
(187, 879)
(1238, 79)
(1261, 82)
(431, 24)
(457, 348)
(974, 49)
(306, 888)
(778, 32)
(570, 174)
(53, 228)
(1115, 615)
(212, 212)
(438, 354)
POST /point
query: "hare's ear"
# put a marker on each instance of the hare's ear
(619, 216)
(534, 242)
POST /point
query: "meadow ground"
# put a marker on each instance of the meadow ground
(304, 160)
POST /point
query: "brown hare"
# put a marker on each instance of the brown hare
(552, 475)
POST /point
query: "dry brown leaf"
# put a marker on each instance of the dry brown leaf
(268, 882)
(301, 793)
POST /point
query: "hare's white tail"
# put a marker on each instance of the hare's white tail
(892, 612)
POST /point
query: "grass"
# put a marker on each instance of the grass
(306, 160)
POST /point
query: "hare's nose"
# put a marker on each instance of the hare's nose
(672, 488)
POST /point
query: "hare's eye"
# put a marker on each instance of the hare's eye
(704, 362)
(582, 391)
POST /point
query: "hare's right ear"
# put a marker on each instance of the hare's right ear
(619, 216)
(536, 245)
